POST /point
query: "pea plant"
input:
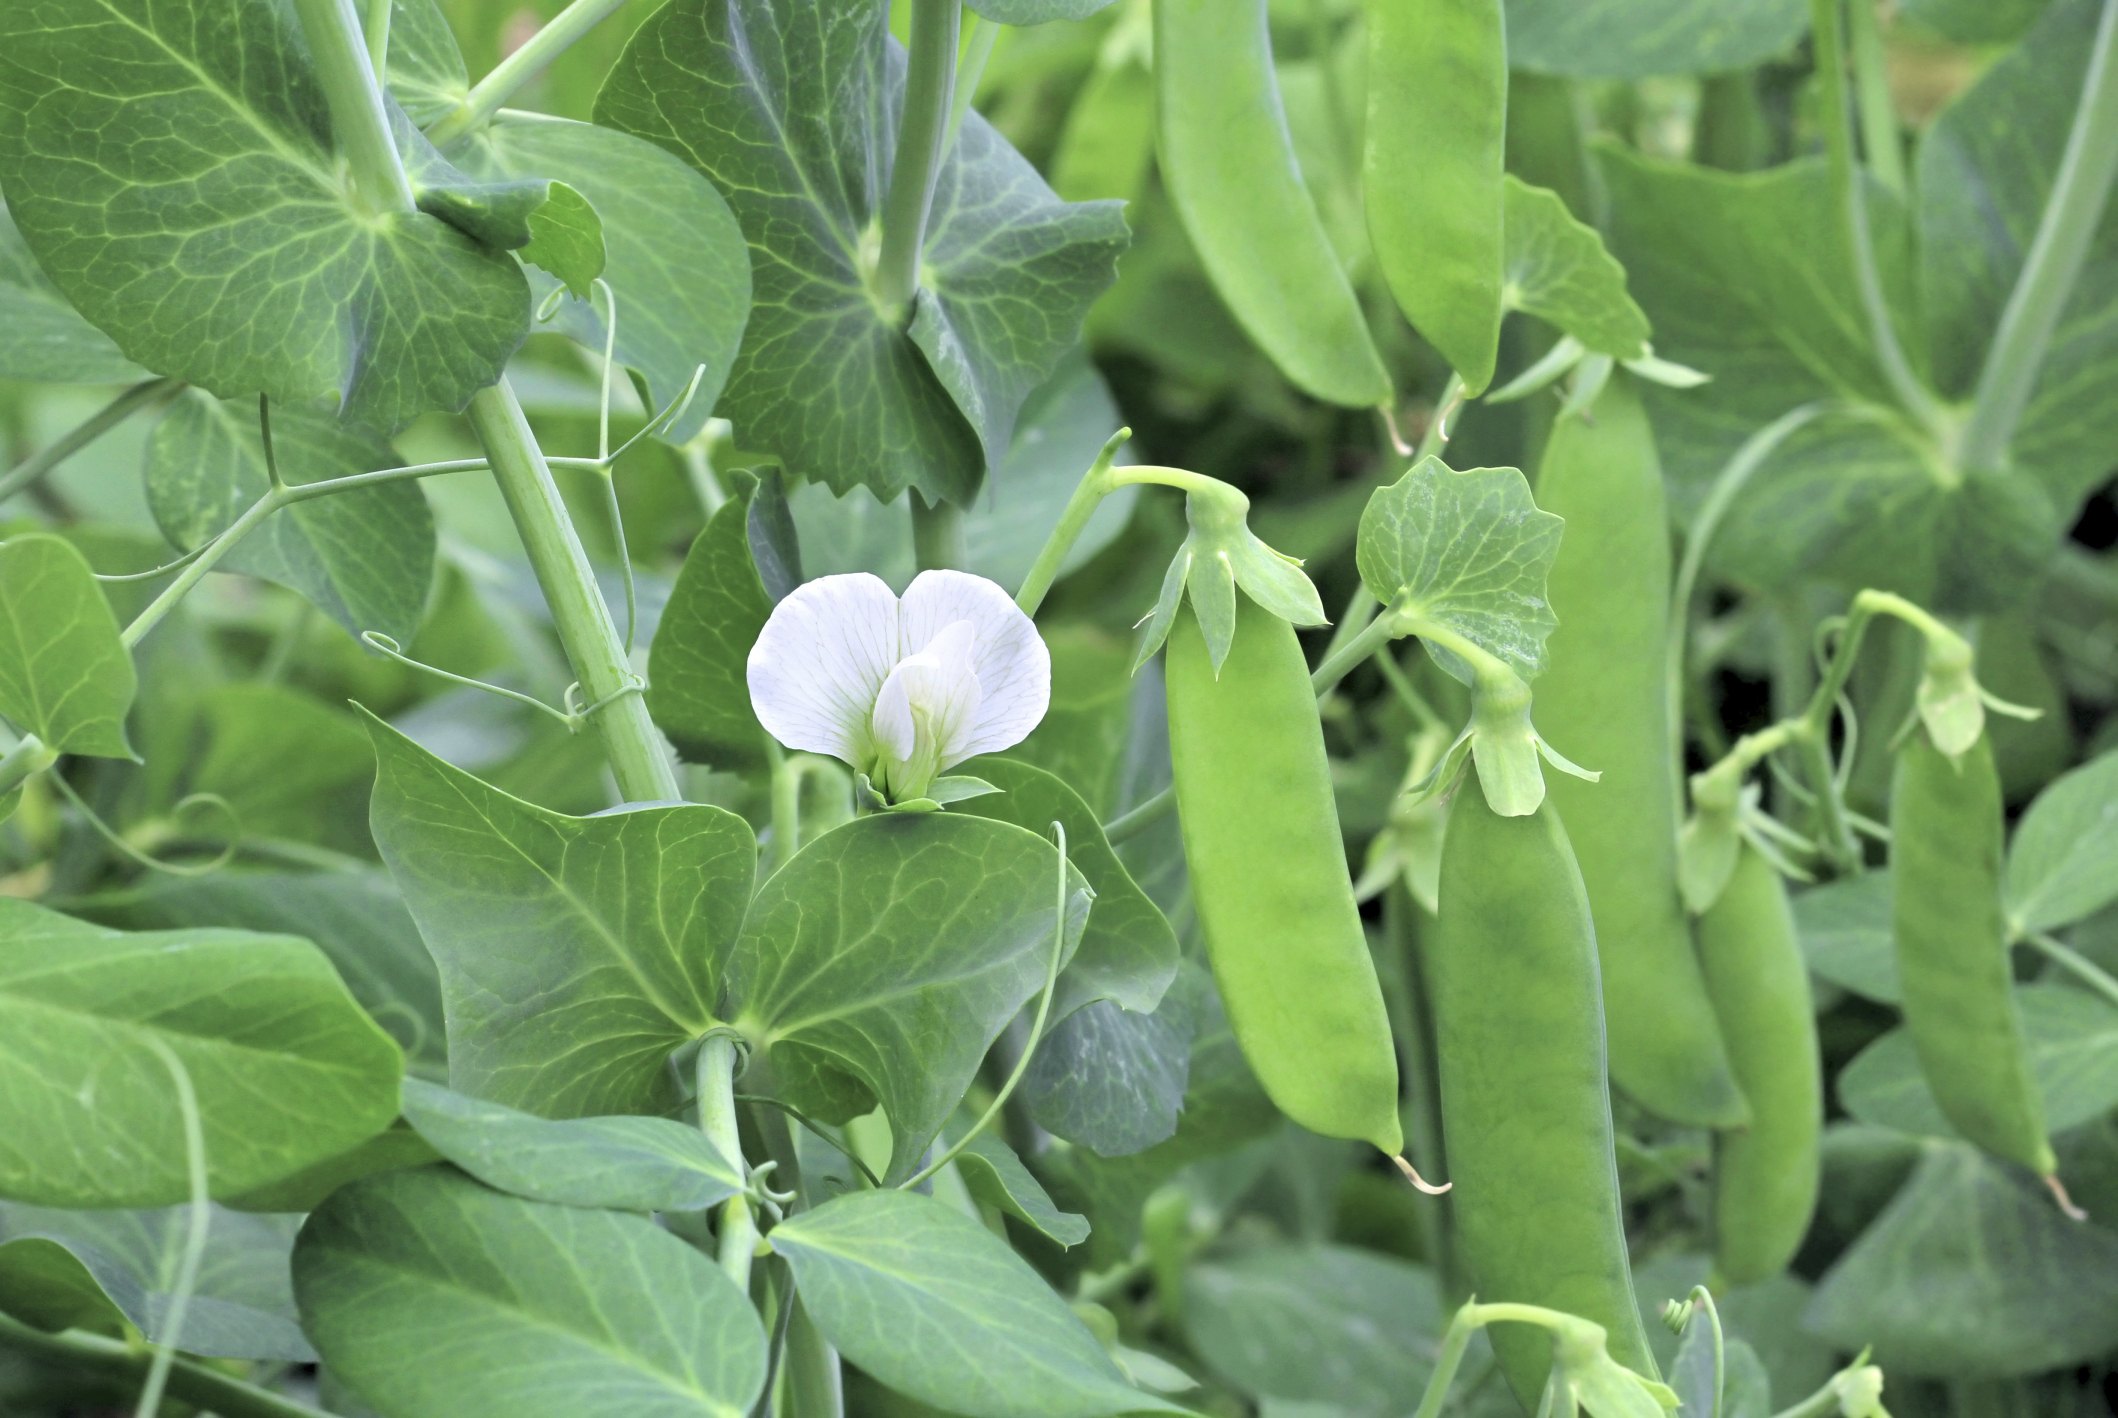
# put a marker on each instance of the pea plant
(810, 707)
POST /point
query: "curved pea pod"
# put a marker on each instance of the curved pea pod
(1228, 161)
(1765, 1175)
(1431, 171)
(1525, 1110)
(1947, 836)
(1603, 702)
(1269, 879)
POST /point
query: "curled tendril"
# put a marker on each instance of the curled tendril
(117, 842)
(388, 647)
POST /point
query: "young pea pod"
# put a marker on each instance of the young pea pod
(1228, 161)
(1952, 954)
(1268, 874)
(1603, 700)
(1765, 1175)
(1526, 1113)
(1431, 175)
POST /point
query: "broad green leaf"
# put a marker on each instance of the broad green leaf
(289, 765)
(674, 256)
(1468, 551)
(242, 1308)
(1113, 1080)
(1846, 932)
(995, 1177)
(425, 69)
(1558, 270)
(1972, 1272)
(939, 1309)
(698, 686)
(397, 1149)
(538, 1308)
(576, 953)
(1633, 39)
(1085, 735)
(1128, 953)
(235, 258)
(355, 917)
(1974, 21)
(2071, 1038)
(65, 676)
(880, 964)
(1316, 1322)
(622, 1163)
(2063, 859)
(287, 1069)
(790, 111)
(41, 336)
(1035, 12)
(365, 557)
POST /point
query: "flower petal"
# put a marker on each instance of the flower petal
(821, 660)
(927, 706)
(1014, 667)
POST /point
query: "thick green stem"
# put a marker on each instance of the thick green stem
(937, 534)
(738, 1226)
(510, 74)
(358, 117)
(147, 394)
(590, 637)
(194, 1382)
(1881, 143)
(2071, 217)
(930, 84)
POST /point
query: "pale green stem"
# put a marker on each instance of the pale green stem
(737, 1231)
(147, 394)
(1095, 485)
(2073, 962)
(2072, 216)
(1372, 637)
(1360, 611)
(937, 534)
(1436, 438)
(490, 93)
(1881, 143)
(195, 570)
(1850, 195)
(969, 70)
(916, 166)
(786, 804)
(378, 32)
(195, 1233)
(1135, 820)
(358, 117)
(1447, 1360)
(195, 1382)
(25, 759)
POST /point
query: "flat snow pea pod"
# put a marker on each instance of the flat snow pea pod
(1952, 953)
(1228, 161)
(1765, 1175)
(1525, 1109)
(1603, 702)
(1269, 879)
(1431, 172)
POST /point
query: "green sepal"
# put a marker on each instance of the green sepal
(1596, 1382)
(1504, 746)
(1221, 554)
(957, 788)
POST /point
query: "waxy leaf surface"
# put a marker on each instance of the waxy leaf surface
(65, 676)
(1634, 39)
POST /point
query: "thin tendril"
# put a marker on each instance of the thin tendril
(610, 361)
(815, 1128)
(264, 431)
(163, 570)
(133, 854)
(387, 646)
(194, 1253)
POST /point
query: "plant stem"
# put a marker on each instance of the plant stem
(937, 534)
(1454, 1342)
(1095, 485)
(1138, 818)
(1847, 189)
(510, 74)
(738, 1226)
(786, 804)
(1341, 662)
(2071, 217)
(194, 572)
(984, 34)
(916, 167)
(194, 1382)
(146, 394)
(1880, 142)
(378, 32)
(2073, 962)
(358, 118)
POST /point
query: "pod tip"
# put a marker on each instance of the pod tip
(2059, 1194)
(1412, 1175)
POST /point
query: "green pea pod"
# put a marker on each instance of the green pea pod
(1268, 876)
(1431, 173)
(1603, 702)
(1228, 162)
(1952, 953)
(1525, 1110)
(1765, 1175)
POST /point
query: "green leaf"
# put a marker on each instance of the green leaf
(236, 258)
(365, 557)
(41, 336)
(939, 1309)
(1974, 21)
(1746, 1391)
(995, 1177)
(1846, 929)
(287, 1069)
(242, 1308)
(355, 917)
(2071, 1038)
(888, 955)
(1972, 1272)
(546, 223)
(288, 764)
(1128, 953)
(1634, 39)
(397, 1149)
(576, 953)
(674, 255)
(791, 112)
(1113, 1080)
(698, 685)
(1035, 12)
(425, 68)
(1318, 1323)
(1558, 270)
(541, 1309)
(2063, 859)
(622, 1164)
(65, 676)
(1468, 551)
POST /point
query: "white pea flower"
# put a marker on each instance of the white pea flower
(900, 689)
